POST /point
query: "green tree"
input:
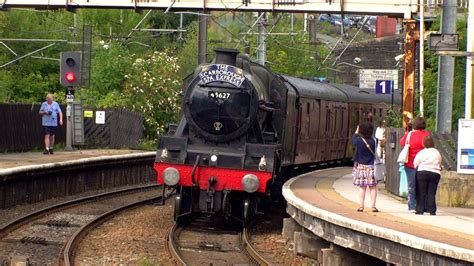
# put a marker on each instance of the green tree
(431, 77)
(140, 71)
(152, 88)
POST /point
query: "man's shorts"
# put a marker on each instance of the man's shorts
(49, 130)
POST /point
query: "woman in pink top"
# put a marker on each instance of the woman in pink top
(428, 174)
(416, 145)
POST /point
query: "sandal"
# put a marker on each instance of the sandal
(361, 209)
(374, 209)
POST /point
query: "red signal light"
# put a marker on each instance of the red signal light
(70, 77)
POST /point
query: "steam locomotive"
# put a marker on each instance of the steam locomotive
(244, 128)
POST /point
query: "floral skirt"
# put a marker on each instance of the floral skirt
(363, 175)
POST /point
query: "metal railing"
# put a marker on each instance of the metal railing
(439, 3)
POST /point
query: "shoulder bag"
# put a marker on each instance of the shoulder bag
(379, 165)
(403, 156)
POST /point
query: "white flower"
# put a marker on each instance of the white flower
(106, 46)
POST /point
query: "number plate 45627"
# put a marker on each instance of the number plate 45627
(219, 95)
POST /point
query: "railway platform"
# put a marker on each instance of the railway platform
(325, 225)
(33, 177)
(31, 160)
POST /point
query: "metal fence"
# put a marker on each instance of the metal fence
(445, 143)
(21, 128)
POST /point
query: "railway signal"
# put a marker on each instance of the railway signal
(70, 69)
(70, 77)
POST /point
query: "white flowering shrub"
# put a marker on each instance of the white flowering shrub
(152, 88)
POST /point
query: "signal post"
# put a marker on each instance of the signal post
(70, 77)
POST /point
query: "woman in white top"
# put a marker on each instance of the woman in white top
(428, 173)
(380, 136)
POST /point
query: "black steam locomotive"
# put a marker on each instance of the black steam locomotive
(244, 126)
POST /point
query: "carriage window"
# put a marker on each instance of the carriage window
(308, 105)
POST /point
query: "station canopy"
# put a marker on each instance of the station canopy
(399, 8)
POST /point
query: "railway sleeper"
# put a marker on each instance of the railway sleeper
(30, 240)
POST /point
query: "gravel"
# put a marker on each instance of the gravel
(138, 237)
(135, 237)
(267, 239)
(20, 210)
(44, 242)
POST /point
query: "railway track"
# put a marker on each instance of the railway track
(201, 242)
(52, 234)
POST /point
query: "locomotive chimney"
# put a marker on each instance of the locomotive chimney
(226, 56)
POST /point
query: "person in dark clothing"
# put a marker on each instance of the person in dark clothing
(363, 171)
(428, 173)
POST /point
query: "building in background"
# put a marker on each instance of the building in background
(385, 26)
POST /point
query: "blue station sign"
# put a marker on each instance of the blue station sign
(383, 86)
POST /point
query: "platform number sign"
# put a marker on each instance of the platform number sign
(383, 86)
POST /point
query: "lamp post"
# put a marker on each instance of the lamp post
(422, 55)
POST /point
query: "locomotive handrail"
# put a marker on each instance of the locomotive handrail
(193, 172)
(218, 86)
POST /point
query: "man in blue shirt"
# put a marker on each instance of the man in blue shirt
(50, 112)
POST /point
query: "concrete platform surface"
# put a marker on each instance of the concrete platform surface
(456, 219)
(11, 161)
(330, 196)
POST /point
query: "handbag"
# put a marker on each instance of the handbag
(379, 165)
(403, 155)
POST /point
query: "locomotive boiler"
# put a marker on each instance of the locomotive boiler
(244, 128)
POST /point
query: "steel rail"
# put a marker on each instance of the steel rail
(68, 253)
(12, 225)
(171, 246)
(245, 246)
(253, 254)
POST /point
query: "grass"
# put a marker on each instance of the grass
(147, 145)
(148, 262)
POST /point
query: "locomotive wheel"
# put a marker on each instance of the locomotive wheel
(226, 205)
(246, 212)
(177, 207)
